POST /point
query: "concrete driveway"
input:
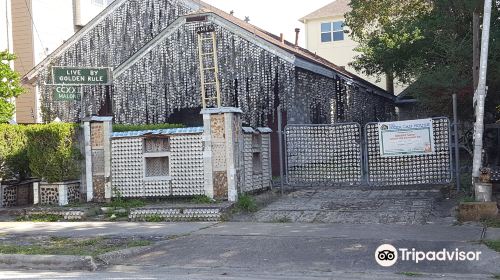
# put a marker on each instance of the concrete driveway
(357, 205)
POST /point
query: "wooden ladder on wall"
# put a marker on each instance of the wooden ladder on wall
(209, 69)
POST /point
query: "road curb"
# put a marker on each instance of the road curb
(108, 258)
(48, 262)
(116, 256)
(68, 262)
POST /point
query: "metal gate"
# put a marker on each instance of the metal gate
(410, 170)
(336, 155)
(323, 154)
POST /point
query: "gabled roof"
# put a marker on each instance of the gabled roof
(336, 8)
(303, 56)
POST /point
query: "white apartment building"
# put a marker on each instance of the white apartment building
(325, 36)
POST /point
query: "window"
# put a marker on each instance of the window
(156, 158)
(332, 31)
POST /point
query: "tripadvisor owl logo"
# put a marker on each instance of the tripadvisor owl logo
(386, 255)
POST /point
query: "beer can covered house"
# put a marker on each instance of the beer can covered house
(154, 55)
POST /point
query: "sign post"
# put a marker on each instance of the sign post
(406, 138)
(81, 76)
(67, 93)
(68, 82)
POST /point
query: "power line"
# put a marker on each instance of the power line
(7, 24)
(36, 29)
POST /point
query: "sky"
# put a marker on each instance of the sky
(275, 16)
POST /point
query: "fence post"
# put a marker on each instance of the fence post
(97, 133)
(280, 139)
(222, 136)
(455, 135)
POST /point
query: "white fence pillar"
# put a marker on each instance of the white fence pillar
(97, 134)
(222, 136)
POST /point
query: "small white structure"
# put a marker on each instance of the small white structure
(218, 160)
(158, 163)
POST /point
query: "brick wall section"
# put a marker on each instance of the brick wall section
(24, 49)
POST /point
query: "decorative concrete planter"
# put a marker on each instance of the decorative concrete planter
(60, 194)
(16, 193)
(476, 211)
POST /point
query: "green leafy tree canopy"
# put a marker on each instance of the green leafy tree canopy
(10, 86)
(427, 44)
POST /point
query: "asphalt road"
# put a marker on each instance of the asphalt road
(284, 251)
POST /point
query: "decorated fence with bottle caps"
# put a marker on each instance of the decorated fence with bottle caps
(215, 160)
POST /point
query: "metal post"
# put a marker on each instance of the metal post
(455, 135)
(480, 94)
(280, 139)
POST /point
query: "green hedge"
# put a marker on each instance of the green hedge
(13, 153)
(133, 127)
(49, 152)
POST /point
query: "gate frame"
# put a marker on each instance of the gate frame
(361, 152)
(365, 152)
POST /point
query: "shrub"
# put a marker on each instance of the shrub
(132, 127)
(13, 153)
(53, 153)
(202, 199)
(246, 203)
(154, 219)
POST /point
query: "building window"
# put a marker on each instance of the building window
(157, 158)
(332, 31)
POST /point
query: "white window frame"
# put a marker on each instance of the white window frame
(332, 31)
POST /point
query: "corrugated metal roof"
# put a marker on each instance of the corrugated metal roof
(172, 131)
(248, 130)
(264, 130)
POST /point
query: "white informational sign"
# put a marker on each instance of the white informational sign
(406, 138)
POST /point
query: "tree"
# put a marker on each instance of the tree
(10, 86)
(425, 43)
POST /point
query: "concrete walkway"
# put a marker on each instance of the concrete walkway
(353, 231)
(88, 229)
(358, 205)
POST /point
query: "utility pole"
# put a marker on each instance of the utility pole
(476, 41)
(480, 93)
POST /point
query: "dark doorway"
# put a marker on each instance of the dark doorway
(106, 106)
(189, 117)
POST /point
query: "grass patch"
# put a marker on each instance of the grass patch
(125, 203)
(493, 244)
(466, 199)
(246, 203)
(494, 223)
(496, 276)
(202, 199)
(71, 246)
(117, 215)
(127, 127)
(39, 218)
(154, 219)
(411, 274)
(74, 205)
